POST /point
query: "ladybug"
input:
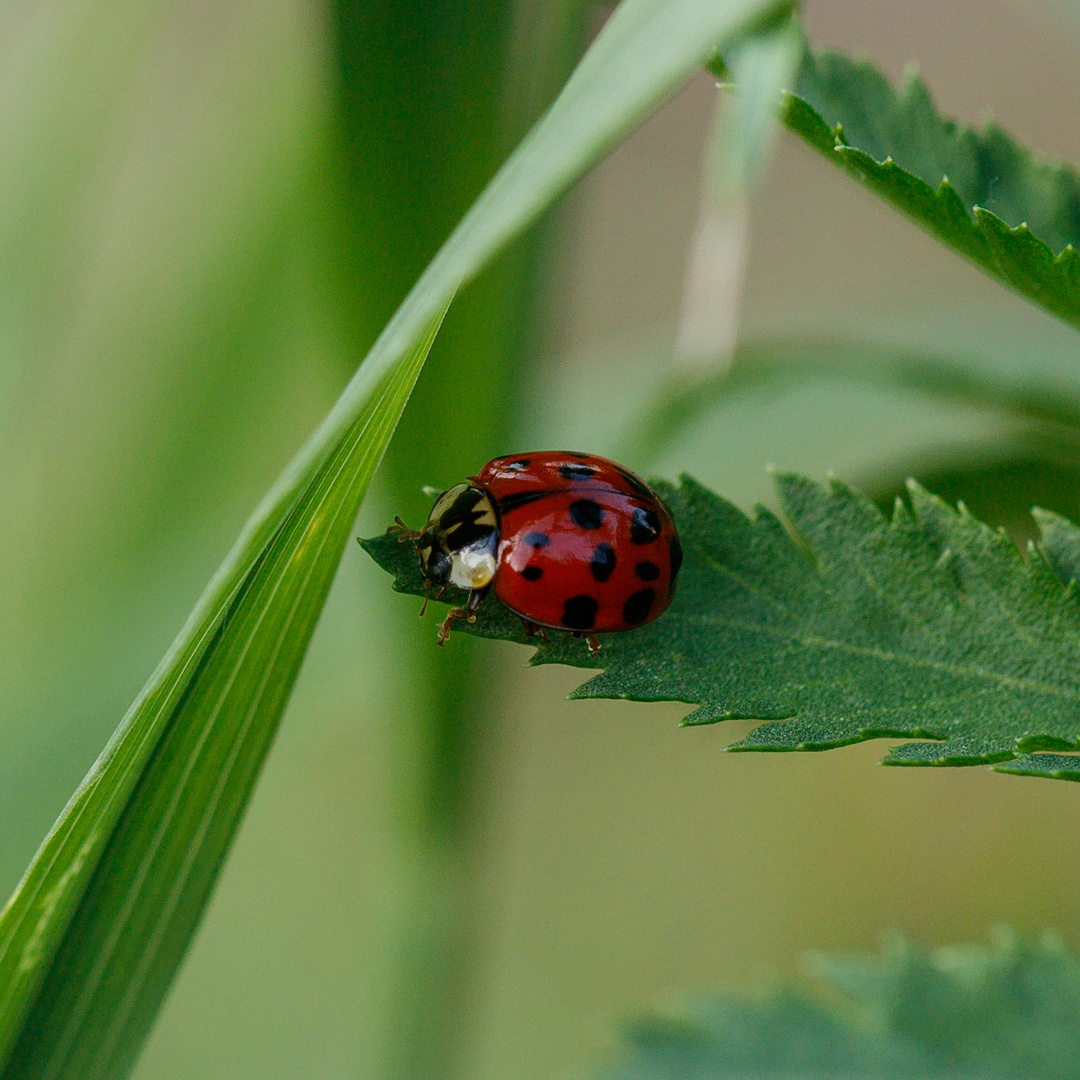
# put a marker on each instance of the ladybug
(566, 541)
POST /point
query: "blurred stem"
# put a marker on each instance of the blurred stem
(739, 148)
(432, 99)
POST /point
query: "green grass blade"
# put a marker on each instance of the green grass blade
(92, 936)
(167, 795)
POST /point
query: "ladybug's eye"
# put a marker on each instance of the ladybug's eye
(438, 567)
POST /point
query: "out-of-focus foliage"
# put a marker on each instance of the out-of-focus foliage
(1032, 458)
(1044, 401)
(1009, 1010)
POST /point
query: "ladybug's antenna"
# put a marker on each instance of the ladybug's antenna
(407, 534)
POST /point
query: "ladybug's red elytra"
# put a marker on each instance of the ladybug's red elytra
(566, 541)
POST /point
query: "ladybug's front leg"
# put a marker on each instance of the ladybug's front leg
(468, 613)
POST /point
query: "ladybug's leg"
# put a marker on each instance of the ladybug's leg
(532, 628)
(592, 640)
(448, 622)
(468, 613)
(428, 596)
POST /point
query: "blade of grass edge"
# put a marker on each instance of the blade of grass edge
(147, 891)
(646, 49)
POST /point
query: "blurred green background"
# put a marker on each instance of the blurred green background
(207, 211)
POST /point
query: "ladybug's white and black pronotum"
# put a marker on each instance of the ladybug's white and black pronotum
(566, 541)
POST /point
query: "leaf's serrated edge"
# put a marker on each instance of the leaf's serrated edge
(1053, 532)
(976, 232)
(1048, 766)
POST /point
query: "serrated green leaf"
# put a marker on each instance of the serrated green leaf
(93, 935)
(1052, 766)
(851, 627)
(998, 483)
(1060, 544)
(977, 190)
(1009, 1011)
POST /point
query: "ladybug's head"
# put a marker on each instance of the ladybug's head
(459, 543)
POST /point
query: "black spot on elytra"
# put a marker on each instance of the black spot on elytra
(586, 514)
(576, 472)
(602, 563)
(637, 607)
(647, 571)
(520, 498)
(579, 612)
(516, 466)
(532, 573)
(676, 557)
(536, 539)
(637, 484)
(645, 526)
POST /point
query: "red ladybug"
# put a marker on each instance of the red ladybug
(567, 541)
